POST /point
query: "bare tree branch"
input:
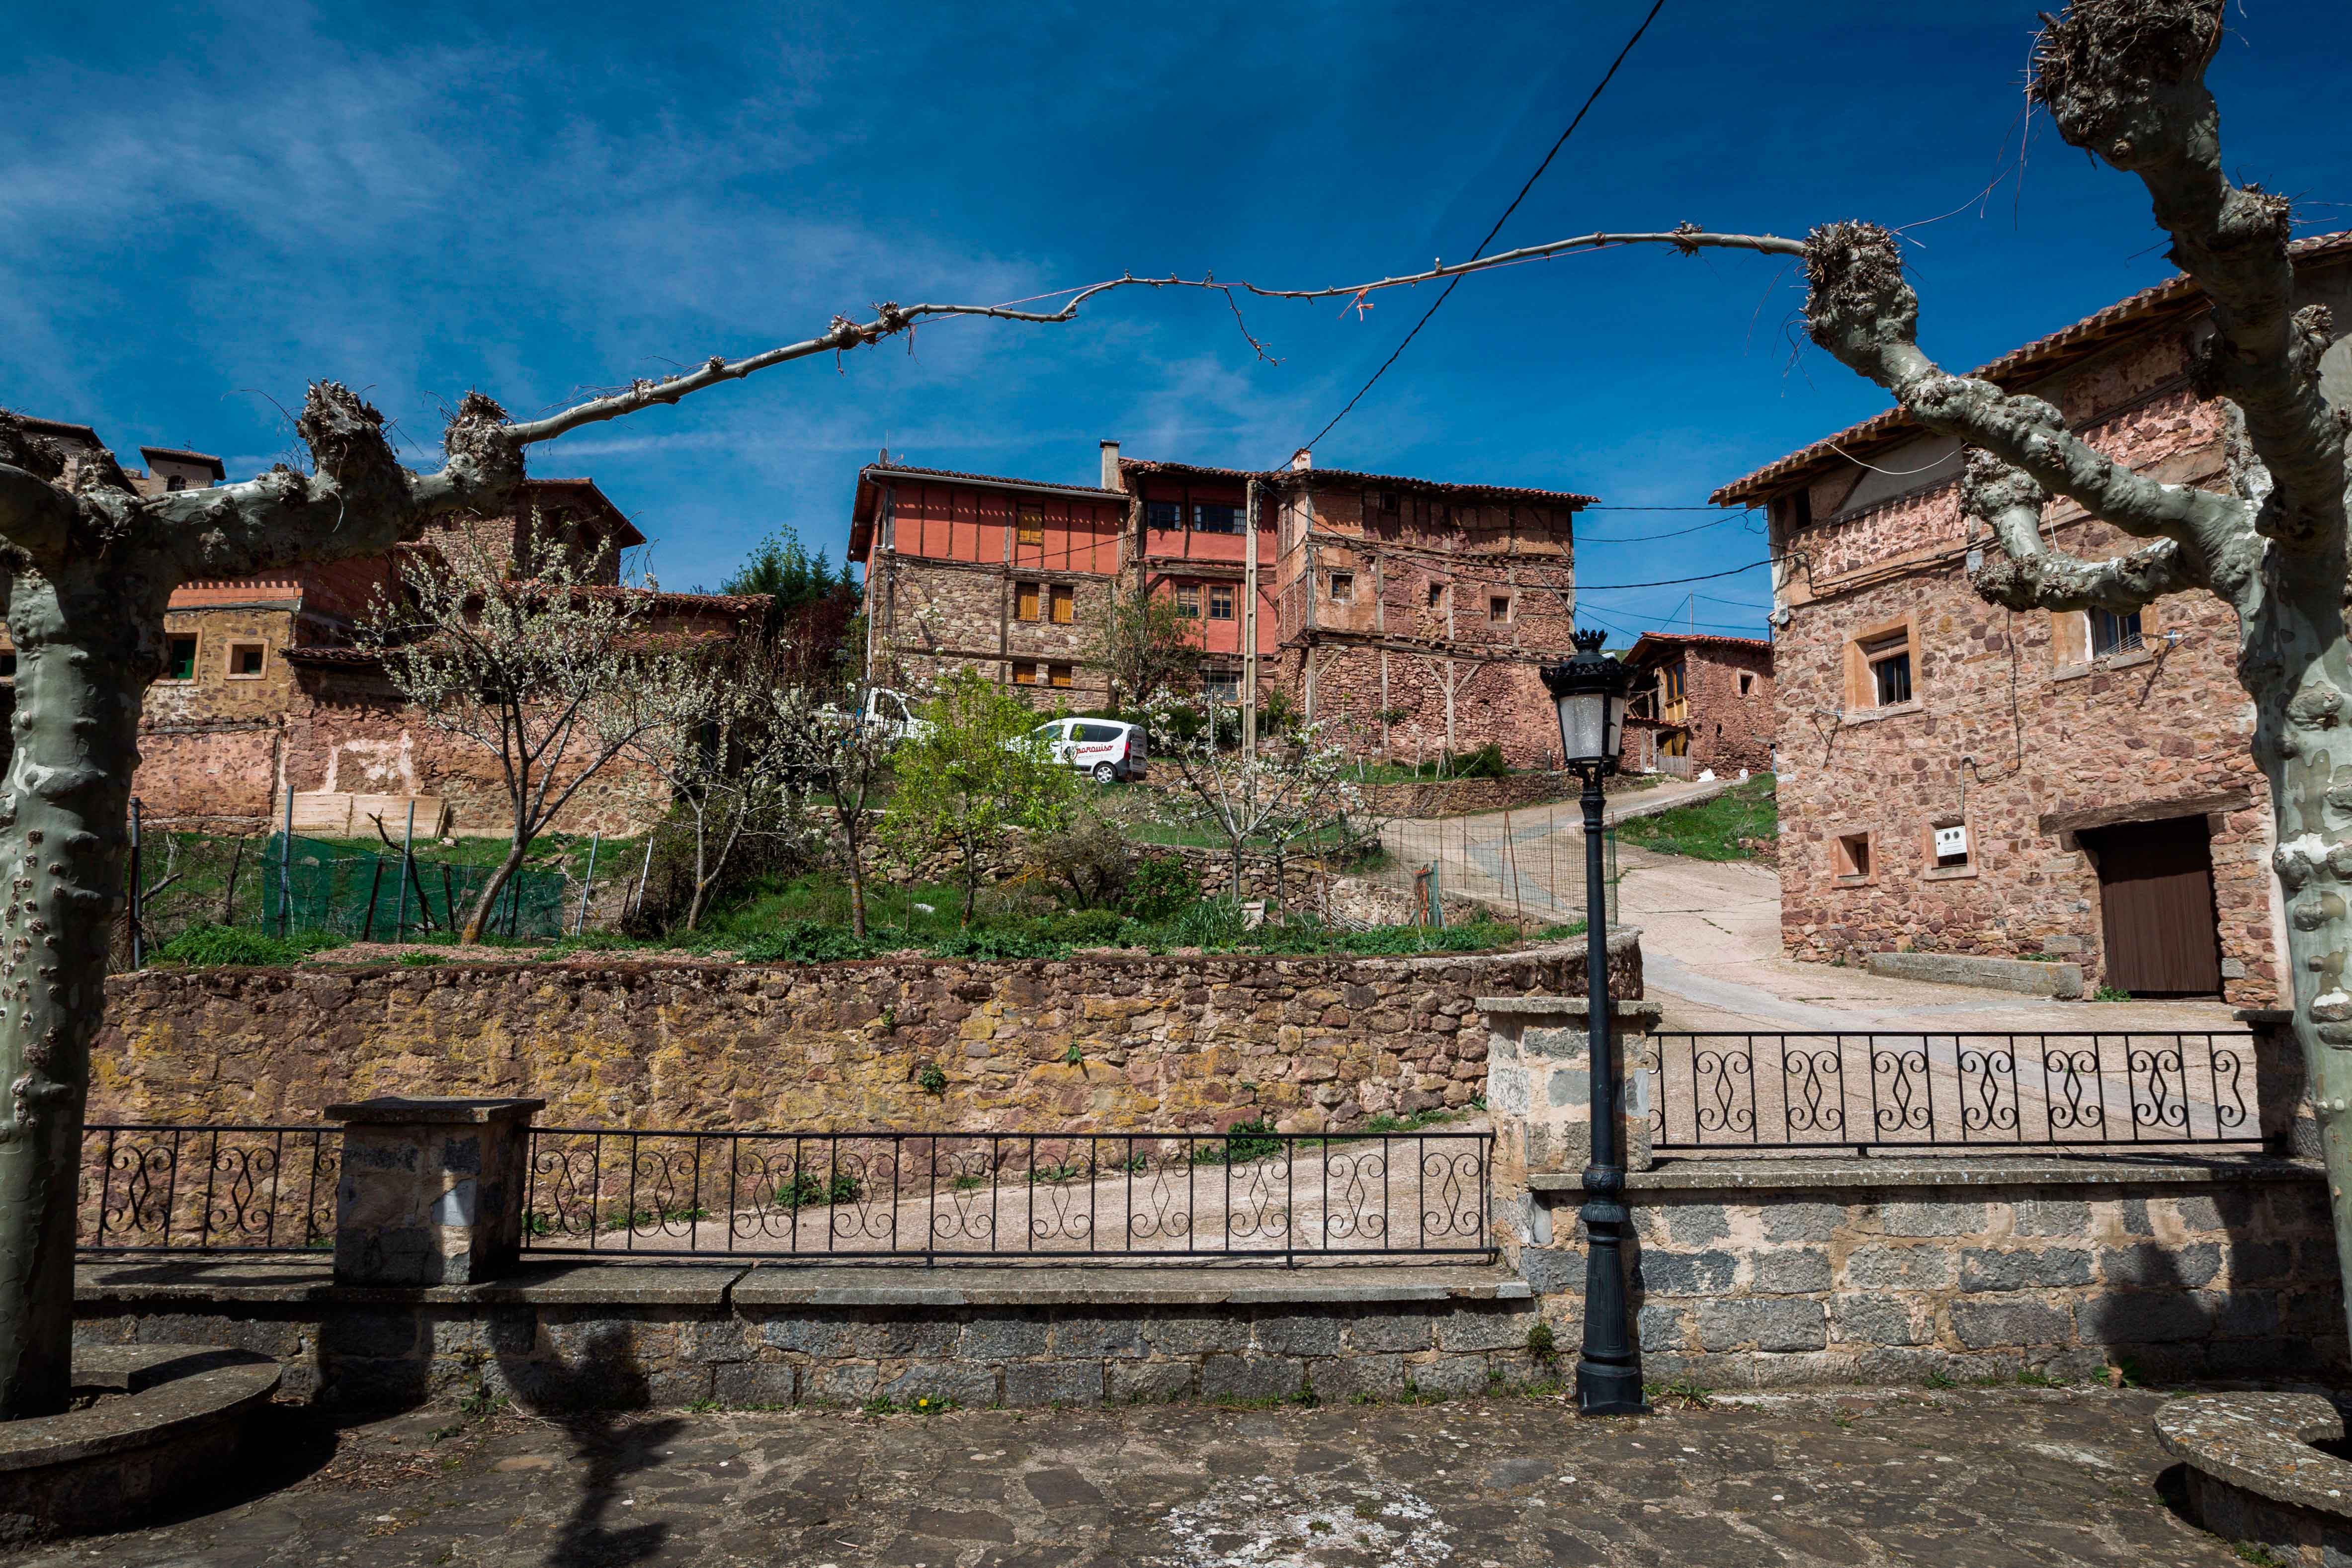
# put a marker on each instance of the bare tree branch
(2028, 574)
(2125, 80)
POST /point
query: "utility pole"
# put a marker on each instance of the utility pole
(1249, 620)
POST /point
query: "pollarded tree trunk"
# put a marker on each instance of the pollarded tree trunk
(82, 667)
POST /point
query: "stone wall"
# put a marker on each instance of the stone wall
(1838, 1270)
(1461, 797)
(2014, 729)
(561, 1336)
(1165, 1042)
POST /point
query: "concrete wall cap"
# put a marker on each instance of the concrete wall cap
(2264, 1015)
(2263, 1443)
(390, 1110)
(1569, 1007)
(1750, 1176)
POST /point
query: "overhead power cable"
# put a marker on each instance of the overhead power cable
(1645, 538)
(1589, 100)
(1669, 582)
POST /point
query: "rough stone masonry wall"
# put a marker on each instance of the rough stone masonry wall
(1729, 729)
(2013, 728)
(1851, 1272)
(1167, 1042)
(633, 1336)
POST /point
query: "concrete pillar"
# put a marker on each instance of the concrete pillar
(432, 1189)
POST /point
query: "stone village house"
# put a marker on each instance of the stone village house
(1417, 611)
(1698, 702)
(1956, 778)
(266, 691)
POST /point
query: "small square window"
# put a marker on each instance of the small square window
(1852, 855)
(1221, 682)
(2112, 633)
(181, 661)
(1024, 601)
(1389, 502)
(1221, 602)
(1889, 661)
(1058, 675)
(1436, 595)
(1163, 515)
(245, 659)
(1066, 605)
(1498, 608)
(1188, 599)
(1343, 587)
(1031, 527)
(1025, 675)
(1747, 682)
(1213, 519)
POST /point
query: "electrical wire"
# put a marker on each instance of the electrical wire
(1645, 538)
(1590, 98)
(1669, 581)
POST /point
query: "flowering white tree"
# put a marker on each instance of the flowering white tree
(835, 768)
(537, 671)
(1289, 791)
(720, 728)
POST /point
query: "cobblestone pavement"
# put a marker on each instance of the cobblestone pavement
(1995, 1477)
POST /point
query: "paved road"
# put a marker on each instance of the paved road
(1964, 1479)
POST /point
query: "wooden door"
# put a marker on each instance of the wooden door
(2155, 894)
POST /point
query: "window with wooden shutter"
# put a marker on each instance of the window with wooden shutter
(1066, 605)
(1058, 675)
(1024, 601)
(1025, 675)
(1032, 525)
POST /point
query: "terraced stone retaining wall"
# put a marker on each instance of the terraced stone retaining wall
(559, 1336)
(1099, 1041)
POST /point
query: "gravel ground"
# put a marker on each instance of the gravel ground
(1995, 1477)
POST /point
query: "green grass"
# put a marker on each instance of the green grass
(1710, 830)
(209, 945)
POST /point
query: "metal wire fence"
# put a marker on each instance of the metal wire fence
(1526, 864)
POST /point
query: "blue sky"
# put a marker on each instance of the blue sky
(202, 208)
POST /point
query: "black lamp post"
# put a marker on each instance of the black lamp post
(1589, 690)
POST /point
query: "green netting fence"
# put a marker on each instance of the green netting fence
(190, 879)
(317, 886)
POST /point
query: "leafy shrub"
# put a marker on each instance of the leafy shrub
(1088, 862)
(990, 942)
(1088, 927)
(415, 960)
(1158, 886)
(930, 1080)
(1379, 940)
(1243, 1142)
(807, 942)
(1212, 922)
(211, 945)
(808, 1190)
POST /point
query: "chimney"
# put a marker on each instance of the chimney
(1301, 461)
(1111, 478)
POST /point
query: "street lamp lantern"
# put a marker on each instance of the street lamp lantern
(1590, 692)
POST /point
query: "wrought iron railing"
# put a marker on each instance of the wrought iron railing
(1001, 1195)
(1879, 1091)
(154, 1187)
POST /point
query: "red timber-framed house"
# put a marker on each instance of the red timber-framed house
(1414, 611)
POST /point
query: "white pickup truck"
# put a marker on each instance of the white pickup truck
(893, 714)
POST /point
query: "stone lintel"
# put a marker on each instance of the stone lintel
(401, 1110)
(1769, 1176)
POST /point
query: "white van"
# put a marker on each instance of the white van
(1104, 748)
(894, 714)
